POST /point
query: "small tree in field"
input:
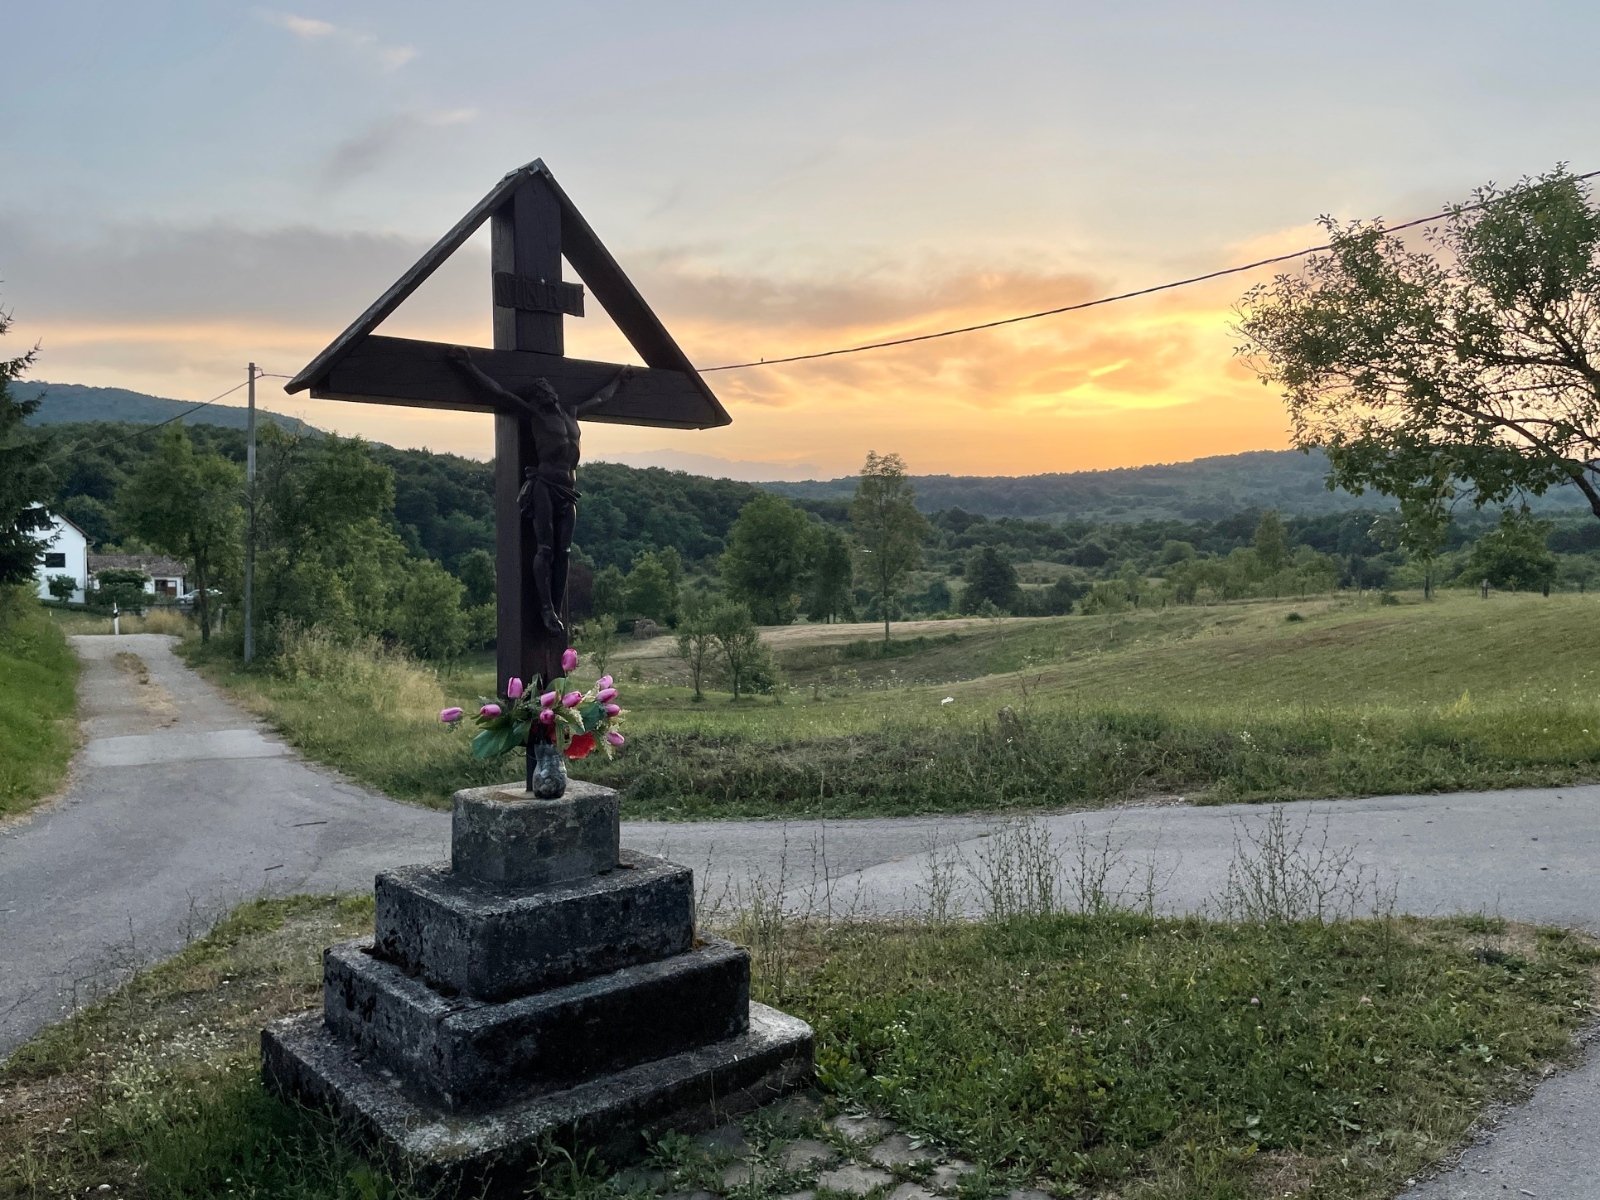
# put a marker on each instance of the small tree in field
(62, 587)
(697, 639)
(1474, 359)
(599, 641)
(889, 529)
(738, 641)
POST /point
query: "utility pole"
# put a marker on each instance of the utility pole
(250, 521)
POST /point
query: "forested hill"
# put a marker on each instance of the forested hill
(69, 403)
(1207, 489)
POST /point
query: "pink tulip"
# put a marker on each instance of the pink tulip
(615, 738)
(546, 717)
(606, 695)
(604, 681)
(569, 660)
(572, 699)
(489, 710)
(611, 710)
(450, 715)
(513, 687)
(548, 700)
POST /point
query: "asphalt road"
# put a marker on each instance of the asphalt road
(180, 805)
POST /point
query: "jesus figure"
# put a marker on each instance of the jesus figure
(549, 496)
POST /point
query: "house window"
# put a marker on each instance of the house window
(55, 560)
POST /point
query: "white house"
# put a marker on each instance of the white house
(66, 552)
(164, 576)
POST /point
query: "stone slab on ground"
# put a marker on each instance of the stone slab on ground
(469, 1054)
(862, 1129)
(491, 943)
(898, 1150)
(514, 839)
(854, 1179)
(616, 1115)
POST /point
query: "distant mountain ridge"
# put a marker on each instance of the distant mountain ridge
(1205, 489)
(65, 403)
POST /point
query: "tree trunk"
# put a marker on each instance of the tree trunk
(202, 603)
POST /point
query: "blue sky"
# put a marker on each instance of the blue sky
(189, 186)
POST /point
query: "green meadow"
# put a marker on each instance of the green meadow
(1255, 701)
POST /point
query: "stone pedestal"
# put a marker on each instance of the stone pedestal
(542, 985)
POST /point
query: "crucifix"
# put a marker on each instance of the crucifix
(536, 393)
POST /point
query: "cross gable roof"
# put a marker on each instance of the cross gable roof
(594, 264)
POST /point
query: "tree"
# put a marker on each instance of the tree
(889, 530)
(610, 590)
(121, 588)
(476, 573)
(652, 589)
(697, 638)
(62, 587)
(1421, 524)
(1513, 554)
(1476, 359)
(599, 641)
(768, 557)
(428, 617)
(1271, 543)
(24, 479)
(830, 579)
(990, 579)
(188, 505)
(738, 641)
(327, 554)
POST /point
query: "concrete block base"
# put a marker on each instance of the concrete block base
(616, 1114)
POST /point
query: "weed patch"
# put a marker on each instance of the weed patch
(1161, 1057)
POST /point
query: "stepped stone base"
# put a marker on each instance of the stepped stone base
(466, 1054)
(546, 985)
(616, 1114)
(478, 940)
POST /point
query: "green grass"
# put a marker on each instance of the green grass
(1168, 1058)
(37, 703)
(1231, 702)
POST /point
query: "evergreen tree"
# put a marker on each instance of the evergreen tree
(24, 480)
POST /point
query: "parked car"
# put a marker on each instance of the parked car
(188, 598)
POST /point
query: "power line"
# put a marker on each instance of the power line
(1066, 308)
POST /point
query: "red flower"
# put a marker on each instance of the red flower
(580, 746)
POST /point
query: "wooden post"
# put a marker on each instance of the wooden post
(525, 241)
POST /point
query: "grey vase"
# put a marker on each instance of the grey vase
(547, 769)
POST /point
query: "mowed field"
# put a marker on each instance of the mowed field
(1268, 700)
(1454, 654)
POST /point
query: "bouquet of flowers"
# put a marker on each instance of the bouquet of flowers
(576, 721)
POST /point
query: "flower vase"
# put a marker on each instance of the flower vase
(547, 768)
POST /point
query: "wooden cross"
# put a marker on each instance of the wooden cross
(533, 225)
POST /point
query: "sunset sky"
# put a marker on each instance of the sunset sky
(191, 186)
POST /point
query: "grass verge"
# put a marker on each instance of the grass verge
(37, 703)
(1161, 1057)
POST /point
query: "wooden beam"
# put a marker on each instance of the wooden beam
(389, 370)
(412, 279)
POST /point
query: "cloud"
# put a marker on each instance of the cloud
(178, 311)
(389, 56)
(384, 139)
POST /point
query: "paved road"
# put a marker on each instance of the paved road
(180, 805)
